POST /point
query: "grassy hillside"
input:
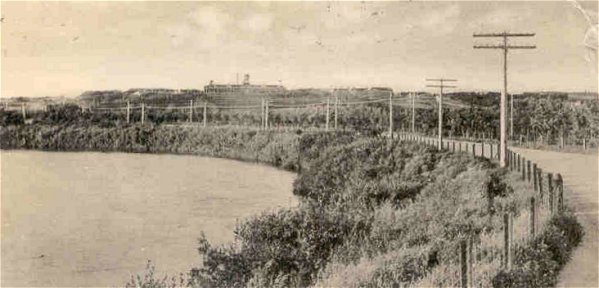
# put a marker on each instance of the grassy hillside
(373, 211)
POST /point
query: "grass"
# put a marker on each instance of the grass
(373, 211)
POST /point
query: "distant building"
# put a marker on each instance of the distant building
(244, 88)
(387, 89)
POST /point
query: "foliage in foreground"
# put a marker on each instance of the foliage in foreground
(359, 201)
(538, 264)
(389, 211)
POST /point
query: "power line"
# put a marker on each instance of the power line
(505, 47)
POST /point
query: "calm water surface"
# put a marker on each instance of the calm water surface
(94, 219)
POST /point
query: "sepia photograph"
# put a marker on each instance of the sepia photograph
(163, 144)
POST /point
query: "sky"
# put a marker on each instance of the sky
(65, 48)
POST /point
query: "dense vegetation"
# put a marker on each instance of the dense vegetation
(538, 264)
(396, 208)
(535, 118)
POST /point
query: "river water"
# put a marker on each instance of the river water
(95, 219)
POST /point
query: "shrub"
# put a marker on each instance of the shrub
(538, 264)
(149, 280)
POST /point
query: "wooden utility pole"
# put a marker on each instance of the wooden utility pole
(391, 114)
(143, 113)
(205, 116)
(413, 113)
(336, 110)
(266, 116)
(262, 114)
(440, 101)
(190, 111)
(327, 120)
(503, 119)
(128, 112)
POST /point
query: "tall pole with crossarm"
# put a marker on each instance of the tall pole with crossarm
(502, 111)
(441, 85)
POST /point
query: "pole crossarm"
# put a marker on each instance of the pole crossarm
(504, 47)
(442, 80)
(503, 161)
(441, 86)
(503, 34)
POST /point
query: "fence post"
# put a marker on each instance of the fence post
(190, 111)
(453, 146)
(507, 245)
(460, 146)
(465, 264)
(23, 111)
(528, 170)
(523, 169)
(584, 144)
(128, 112)
(532, 217)
(540, 180)
(518, 161)
(204, 116)
(560, 193)
(482, 149)
(550, 193)
(471, 259)
(511, 159)
(534, 177)
(473, 149)
(143, 113)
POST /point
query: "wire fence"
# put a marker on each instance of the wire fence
(479, 257)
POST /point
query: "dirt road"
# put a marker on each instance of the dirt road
(580, 178)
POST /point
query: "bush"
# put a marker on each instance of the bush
(538, 264)
(399, 206)
(8, 118)
(149, 280)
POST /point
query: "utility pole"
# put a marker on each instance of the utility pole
(441, 85)
(336, 110)
(143, 113)
(190, 111)
(391, 114)
(128, 112)
(327, 120)
(204, 115)
(262, 114)
(413, 113)
(266, 115)
(503, 117)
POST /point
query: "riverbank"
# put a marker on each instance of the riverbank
(273, 148)
(93, 219)
(361, 198)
